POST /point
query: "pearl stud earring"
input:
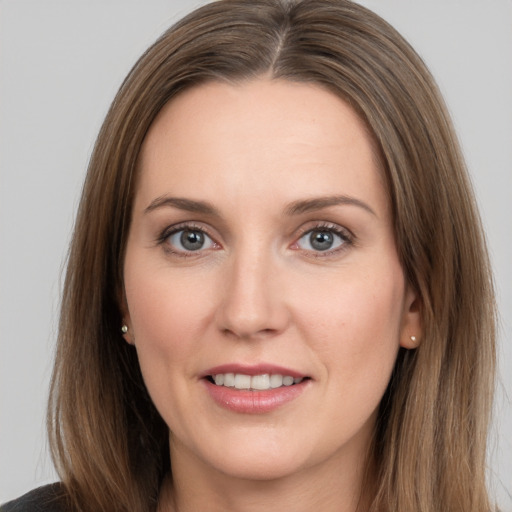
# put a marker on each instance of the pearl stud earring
(124, 329)
(413, 338)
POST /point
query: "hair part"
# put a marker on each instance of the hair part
(109, 444)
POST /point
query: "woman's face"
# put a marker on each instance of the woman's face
(260, 254)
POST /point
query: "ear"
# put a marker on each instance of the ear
(127, 333)
(411, 331)
(126, 325)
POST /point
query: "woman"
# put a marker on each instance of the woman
(277, 291)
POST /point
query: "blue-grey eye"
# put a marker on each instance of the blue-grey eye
(187, 240)
(320, 240)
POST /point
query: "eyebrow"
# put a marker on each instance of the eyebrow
(181, 203)
(295, 208)
(318, 203)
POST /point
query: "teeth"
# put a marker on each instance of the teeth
(242, 381)
(229, 380)
(260, 381)
(254, 382)
(287, 381)
(276, 381)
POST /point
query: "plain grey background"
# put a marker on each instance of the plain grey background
(61, 62)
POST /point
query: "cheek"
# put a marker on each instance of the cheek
(166, 322)
(166, 316)
(353, 325)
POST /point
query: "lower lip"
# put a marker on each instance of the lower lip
(245, 401)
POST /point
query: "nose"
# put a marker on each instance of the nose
(253, 303)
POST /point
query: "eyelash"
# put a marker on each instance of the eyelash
(172, 230)
(346, 236)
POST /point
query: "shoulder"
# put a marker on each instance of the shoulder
(49, 498)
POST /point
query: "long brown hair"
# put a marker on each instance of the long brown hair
(109, 443)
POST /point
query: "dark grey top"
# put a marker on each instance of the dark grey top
(49, 498)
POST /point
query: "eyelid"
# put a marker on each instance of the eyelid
(344, 233)
(324, 225)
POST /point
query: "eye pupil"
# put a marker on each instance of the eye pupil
(321, 240)
(192, 240)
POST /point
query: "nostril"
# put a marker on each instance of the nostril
(248, 335)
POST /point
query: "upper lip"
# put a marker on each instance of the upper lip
(256, 369)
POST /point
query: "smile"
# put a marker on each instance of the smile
(261, 382)
(254, 389)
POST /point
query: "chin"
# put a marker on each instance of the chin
(261, 468)
(247, 460)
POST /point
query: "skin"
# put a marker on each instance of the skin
(258, 291)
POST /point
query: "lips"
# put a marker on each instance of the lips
(254, 389)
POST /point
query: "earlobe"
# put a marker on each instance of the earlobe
(411, 331)
(127, 335)
(125, 328)
(411, 342)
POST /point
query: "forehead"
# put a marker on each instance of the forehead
(259, 137)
